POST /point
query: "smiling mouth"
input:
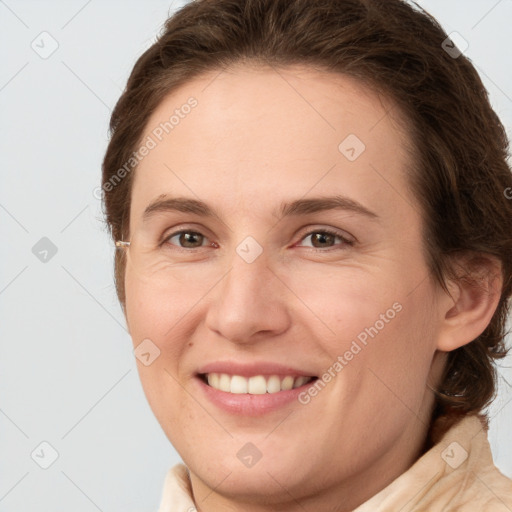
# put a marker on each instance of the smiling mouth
(255, 385)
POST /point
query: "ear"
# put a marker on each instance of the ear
(474, 296)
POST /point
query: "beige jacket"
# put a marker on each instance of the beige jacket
(457, 474)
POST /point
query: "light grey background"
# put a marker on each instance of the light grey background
(67, 373)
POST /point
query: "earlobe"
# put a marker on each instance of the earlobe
(473, 299)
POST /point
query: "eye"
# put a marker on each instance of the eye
(188, 239)
(325, 239)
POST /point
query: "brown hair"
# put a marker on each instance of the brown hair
(459, 175)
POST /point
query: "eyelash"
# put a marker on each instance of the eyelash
(325, 231)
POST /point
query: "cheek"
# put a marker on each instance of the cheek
(394, 351)
(155, 316)
(149, 316)
(155, 309)
(344, 305)
(377, 329)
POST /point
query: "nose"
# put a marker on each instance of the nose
(249, 304)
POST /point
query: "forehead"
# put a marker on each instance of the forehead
(258, 134)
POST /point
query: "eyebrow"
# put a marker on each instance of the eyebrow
(287, 209)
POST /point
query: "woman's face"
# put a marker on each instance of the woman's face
(301, 257)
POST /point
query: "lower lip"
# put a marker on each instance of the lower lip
(245, 404)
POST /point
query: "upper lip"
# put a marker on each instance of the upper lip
(252, 368)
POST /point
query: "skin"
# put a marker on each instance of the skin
(258, 137)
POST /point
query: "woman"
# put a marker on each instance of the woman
(314, 256)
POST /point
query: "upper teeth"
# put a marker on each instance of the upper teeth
(257, 385)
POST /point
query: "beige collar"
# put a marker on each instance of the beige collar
(457, 473)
